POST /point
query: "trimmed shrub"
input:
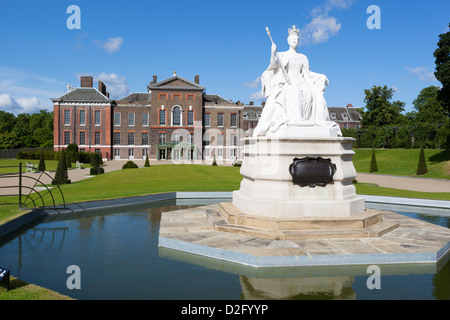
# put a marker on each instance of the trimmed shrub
(41, 166)
(61, 175)
(422, 165)
(130, 165)
(214, 162)
(96, 169)
(373, 162)
(147, 163)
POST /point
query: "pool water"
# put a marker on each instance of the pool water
(119, 258)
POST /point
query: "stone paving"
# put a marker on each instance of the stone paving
(414, 241)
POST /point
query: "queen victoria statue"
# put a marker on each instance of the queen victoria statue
(294, 96)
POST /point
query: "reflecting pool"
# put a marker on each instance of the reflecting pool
(119, 258)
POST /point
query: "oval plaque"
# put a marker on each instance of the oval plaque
(312, 172)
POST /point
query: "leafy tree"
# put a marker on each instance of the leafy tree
(9, 140)
(7, 121)
(428, 107)
(379, 110)
(442, 73)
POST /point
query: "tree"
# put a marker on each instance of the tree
(428, 107)
(442, 73)
(147, 163)
(422, 165)
(373, 162)
(380, 111)
(42, 162)
(61, 175)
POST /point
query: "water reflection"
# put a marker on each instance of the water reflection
(105, 243)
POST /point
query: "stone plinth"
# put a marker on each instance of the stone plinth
(267, 188)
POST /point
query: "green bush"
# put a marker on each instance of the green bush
(214, 162)
(147, 163)
(95, 162)
(130, 165)
(61, 175)
(373, 162)
(422, 165)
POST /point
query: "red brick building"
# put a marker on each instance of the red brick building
(174, 120)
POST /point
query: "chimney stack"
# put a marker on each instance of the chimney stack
(102, 87)
(86, 81)
(197, 79)
(154, 79)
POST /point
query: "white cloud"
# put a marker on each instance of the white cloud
(116, 85)
(254, 84)
(257, 96)
(320, 29)
(112, 44)
(323, 26)
(19, 105)
(422, 73)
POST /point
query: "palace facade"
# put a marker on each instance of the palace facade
(174, 120)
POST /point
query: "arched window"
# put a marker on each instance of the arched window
(176, 116)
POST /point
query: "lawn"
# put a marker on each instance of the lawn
(403, 162)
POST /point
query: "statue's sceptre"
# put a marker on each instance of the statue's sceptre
(279, 60)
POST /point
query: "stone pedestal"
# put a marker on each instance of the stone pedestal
(267, 188)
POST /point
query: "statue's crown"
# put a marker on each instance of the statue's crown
(293, 31)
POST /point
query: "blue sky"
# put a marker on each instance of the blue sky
(125, 43)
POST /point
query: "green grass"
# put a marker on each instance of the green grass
(50, 165)
(374, 190)
(20, 290)
(403, 162)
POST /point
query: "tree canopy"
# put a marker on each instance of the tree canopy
(442, 73)
(379, 109)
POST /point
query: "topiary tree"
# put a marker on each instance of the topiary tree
(96, 169)
(61, 175)
(422, 166)
(214, 162)
(130, 165)
(41, 166)
(373, 162)
(147, 163)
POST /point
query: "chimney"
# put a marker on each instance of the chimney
(107, 95)
(86, 82)
(251, 103)
(197, 79)
(154, 79)
(102, 87)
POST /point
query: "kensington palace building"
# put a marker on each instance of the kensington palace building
(174, 120)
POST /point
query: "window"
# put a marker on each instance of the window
(162, 138)
(345, 125)
(66, 137)
(176, 116)
(82, 117)
(206, 119)
(191, 138)
(220, 119)
(176, 137)
(220, 139)
(97, 137)
(82, 140)
(144, 152)
(145, 138)
(333, 116)
(190, 120)
(258, 115)
(131, 119)
(145, 119)
(233, 120)
(117, 119)
(131, 138)
(206, 139)
(67, 117)
(116, 138)
(344, 116)
(162, 117)
(97, 114)
(245, 115)
(234, 140)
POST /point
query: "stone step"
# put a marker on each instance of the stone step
(360, 221)
(376, 230)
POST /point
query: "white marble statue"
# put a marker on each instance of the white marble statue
(294, 94)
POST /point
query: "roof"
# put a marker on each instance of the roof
(136, 97)
(176, 83)
(83, 95)
(216, 99)
(344, 114)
